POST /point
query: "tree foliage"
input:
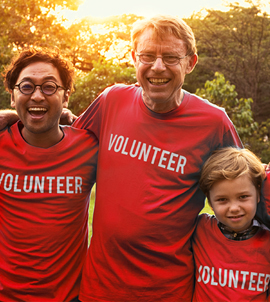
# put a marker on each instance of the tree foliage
(30, 21)
(103, 74)
(259, 141)
(254, 135)
(92, 39)
(236, 43)
(222, 93)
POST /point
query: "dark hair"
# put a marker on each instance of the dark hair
(36, 54)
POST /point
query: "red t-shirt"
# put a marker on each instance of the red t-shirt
(147, 195)
(44, 198)
(229, 270)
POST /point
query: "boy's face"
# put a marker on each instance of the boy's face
(234, 202)
(39, 112)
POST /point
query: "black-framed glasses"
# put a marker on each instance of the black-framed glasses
(48, 87)
(167, 59)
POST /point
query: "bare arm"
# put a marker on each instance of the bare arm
(8, 118)
(67, 117)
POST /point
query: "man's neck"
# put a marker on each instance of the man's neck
(42, 140)
(163, 107)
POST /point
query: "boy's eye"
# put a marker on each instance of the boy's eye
(221, 199)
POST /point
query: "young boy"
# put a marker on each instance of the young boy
(231, 249)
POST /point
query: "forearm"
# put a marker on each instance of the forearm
(7, 118)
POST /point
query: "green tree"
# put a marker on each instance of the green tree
(236, 43)
(259, 143)
(222, 93)
(4, 60)
(4, 97)
(92, 39)
(24, 23)
(103, 74)
(255, 136)
(27, 22)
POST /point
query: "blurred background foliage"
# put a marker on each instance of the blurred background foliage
(233, 47)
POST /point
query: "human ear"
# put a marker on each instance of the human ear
(192, 61)
(12, 99)
(66, 98)
(258, 197)
(134, 58)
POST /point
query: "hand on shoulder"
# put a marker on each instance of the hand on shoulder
(67, 117)
(7, 118)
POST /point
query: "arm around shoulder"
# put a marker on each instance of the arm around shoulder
(7, 118)
(67, 117)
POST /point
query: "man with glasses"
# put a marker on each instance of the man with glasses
(153, 140)
(46, 176)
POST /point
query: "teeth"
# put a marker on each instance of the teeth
(37, 109)
(158, 81)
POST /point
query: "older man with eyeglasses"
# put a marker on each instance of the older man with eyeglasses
(153, 140)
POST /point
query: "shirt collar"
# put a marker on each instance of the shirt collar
(244, 235)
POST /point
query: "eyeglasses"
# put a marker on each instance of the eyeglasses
(48, 87)
(167, 59)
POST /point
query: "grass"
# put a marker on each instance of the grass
(207, 209)
(91, 210)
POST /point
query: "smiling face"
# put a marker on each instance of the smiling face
(38, 112)
(234, 202)
(162, 84)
